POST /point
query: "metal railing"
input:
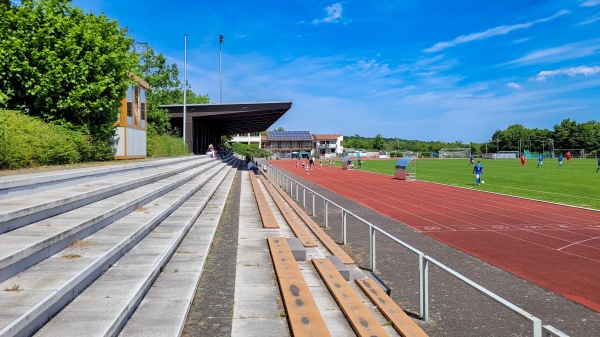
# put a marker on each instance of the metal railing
(287, 183)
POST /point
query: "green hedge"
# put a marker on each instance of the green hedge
(26, 141)
(29, 142)
(165, 145)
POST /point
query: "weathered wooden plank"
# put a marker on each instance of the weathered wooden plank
(266, 213)
(325, 239)
(403, 324)
(302, 312)
(358, 315)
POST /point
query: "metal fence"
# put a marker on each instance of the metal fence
(292, 187)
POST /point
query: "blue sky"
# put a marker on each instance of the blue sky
(413, 69)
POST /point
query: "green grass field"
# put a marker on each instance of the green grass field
(576, 183)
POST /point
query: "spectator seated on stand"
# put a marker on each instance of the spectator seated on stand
(211, 151)
(252, 167)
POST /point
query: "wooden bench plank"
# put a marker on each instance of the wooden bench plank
(325, 239)
(358, 315)
(295, 225)
(302, 312)
(266, 213)
(403, 324)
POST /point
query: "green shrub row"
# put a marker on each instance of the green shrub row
(29, 142)
(250, 150)
(165, 145)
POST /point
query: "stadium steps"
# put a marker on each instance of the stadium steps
(34, 202)
(163, 310)
(47, 263)
(11, 186)
(25, 246)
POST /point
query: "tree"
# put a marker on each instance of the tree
(165, 88)
(564, 134)
(63, 65)
(379, 142)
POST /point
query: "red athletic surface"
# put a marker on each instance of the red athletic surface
(554, 246)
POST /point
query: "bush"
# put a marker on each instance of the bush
(249, 150)
(29, 142)
(165, 145)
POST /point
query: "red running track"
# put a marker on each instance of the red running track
(554, 246)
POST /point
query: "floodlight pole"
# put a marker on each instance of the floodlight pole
(221, 38)
(184, 82)
(146, 67)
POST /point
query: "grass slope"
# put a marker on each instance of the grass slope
(576, 183)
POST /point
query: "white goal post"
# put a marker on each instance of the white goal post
(458, 152)
(575, 153)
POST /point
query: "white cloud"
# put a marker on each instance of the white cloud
(500, 30)
(556, 54)
(370, 66)
(334, 14)
(589, 21)
(582, 70)
(589, 3)
(514, 85)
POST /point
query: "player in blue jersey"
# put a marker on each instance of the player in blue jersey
(478, 171)
(472, 160)
(540, 161)
(560, 159)
(598, 165)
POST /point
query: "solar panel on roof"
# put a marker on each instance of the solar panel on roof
(290, 135)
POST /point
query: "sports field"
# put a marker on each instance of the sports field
(576, 183)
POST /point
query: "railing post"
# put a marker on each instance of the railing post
(344, 216)
(326, 214)
(372, 248)
(304, 197)
(313, 204)
(424, 286)
(537, 327)
(297, 188)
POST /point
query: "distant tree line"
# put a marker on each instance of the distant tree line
(399, 145)
(567, 134)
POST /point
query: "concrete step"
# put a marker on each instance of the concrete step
(15, 185)
(163, 311)
(22, 210)
(51, 284)
(24, 247)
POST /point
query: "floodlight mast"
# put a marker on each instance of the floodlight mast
(221, 39)
(184, 82)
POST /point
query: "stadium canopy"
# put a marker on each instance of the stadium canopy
(206, 123)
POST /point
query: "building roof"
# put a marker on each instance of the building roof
(233, 118)
(327, 136)
(289, 135)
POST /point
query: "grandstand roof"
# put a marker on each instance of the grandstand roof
(233, 118)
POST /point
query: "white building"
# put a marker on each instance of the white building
(329, 145)
(248, 138)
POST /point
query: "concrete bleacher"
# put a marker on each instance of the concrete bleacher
(77, 259)
(119, 251)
